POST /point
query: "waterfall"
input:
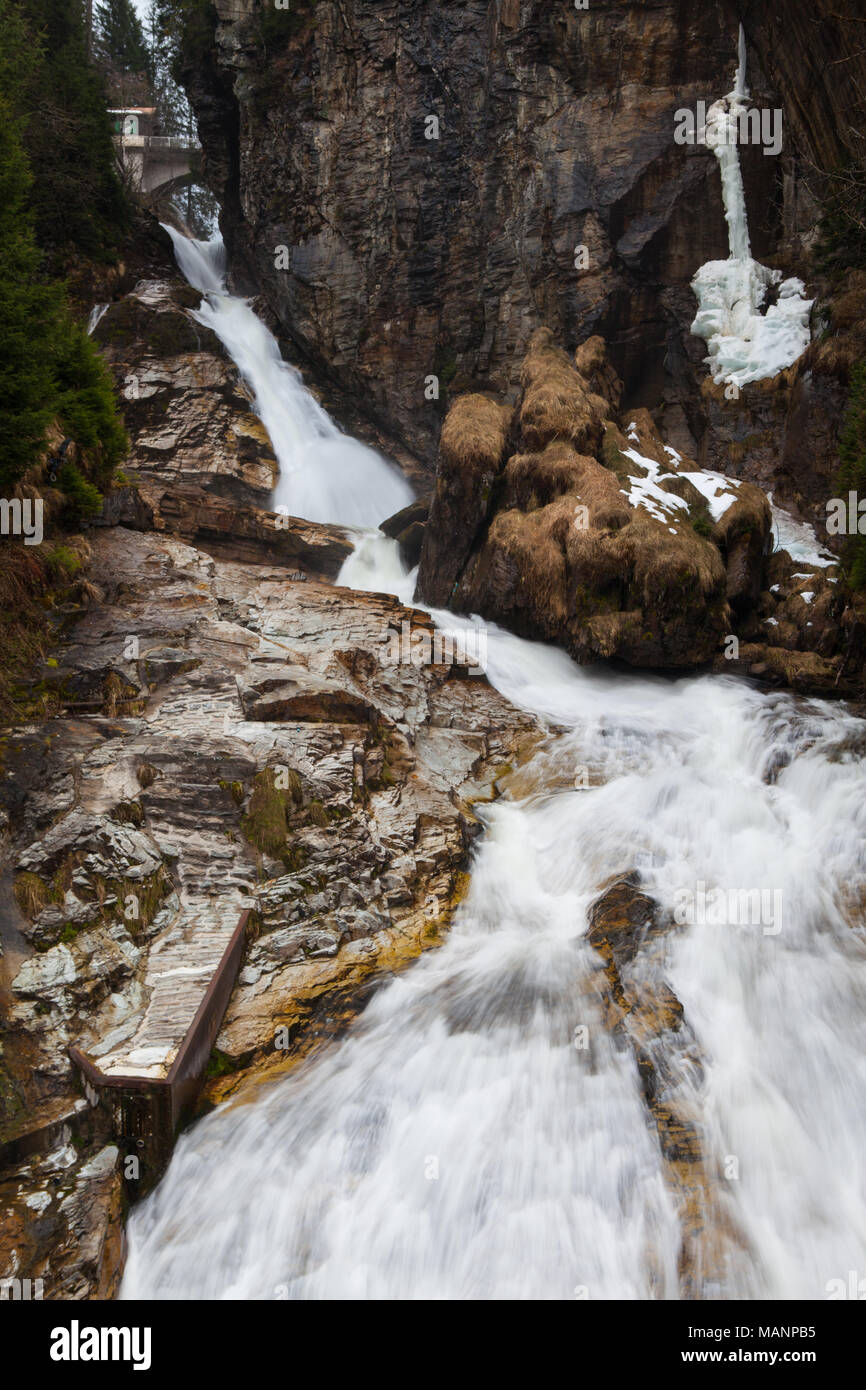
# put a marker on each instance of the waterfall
(746, 343)
(96, 314)
(325, 475)
(456, 1144)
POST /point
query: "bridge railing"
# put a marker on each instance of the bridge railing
(170, 142)
(147, 1111)
(158, 142)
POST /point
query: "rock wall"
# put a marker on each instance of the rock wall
(407, 256)
(411, 256)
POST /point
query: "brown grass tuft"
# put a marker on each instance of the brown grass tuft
(557, 401)
(592, 363)
(475, 434)
(31, 894)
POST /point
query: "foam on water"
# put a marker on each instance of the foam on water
(455, 1144)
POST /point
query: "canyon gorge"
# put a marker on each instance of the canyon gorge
(443, 786)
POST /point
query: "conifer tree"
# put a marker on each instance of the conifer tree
(29, 313)
(120, 40)
(78, 201)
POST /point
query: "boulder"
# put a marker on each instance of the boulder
(591, 533)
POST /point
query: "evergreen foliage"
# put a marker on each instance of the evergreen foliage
(120, 41)
(49, 368)
(29, 311)
(79, 205)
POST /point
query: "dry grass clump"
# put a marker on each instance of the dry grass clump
(475, 435)
(31, 894)
(533, 481)
(651, 444)
(119, 698)
(750, 512)
(592, 363)
(524, 560)
(849, 307)
(24, 627)
(83, 593)
(681, 569)
(557, 402)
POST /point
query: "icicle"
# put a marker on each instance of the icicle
(744, 344)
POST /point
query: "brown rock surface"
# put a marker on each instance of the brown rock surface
(599, 554)
(138, 832)
(187, 412)
(627, 929)
(412, 256)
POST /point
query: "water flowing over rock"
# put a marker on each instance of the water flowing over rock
(455, 630)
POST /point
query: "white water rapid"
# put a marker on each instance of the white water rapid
(325, 475)
(456, 1144)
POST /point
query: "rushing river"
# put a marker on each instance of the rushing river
(456, 1144)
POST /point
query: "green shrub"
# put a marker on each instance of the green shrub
(87, 405)
(78, 202)
(60, 200)
(82, 498)
(29, 312)
(702, 523)
(62, 563)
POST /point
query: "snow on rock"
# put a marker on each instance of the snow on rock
(645, 491)
(718, 491)
(799, 539)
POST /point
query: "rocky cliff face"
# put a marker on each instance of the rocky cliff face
(246, 743)
(407, 257)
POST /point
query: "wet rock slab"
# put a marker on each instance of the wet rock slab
(235, 739)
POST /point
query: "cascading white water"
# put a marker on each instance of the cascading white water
(96, 314)
(456, 1144)
(325, 475)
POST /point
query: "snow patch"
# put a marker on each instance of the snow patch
(718, 491)
(646, 493)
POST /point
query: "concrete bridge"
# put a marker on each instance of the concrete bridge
(156, 163)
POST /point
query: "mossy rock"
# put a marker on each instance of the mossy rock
(31, 894)
(236, 789)
(266, 824)
(219, 1064)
